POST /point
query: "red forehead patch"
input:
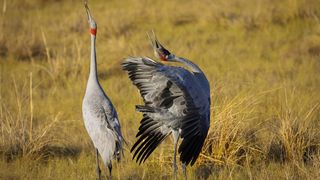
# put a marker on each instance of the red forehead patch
(93, 31)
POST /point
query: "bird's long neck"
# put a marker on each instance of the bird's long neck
(93, 76)
(197, 72)
(194, 68)
(93, 62)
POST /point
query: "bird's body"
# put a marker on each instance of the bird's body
(99, 115)
(101, 122)
(176, 101)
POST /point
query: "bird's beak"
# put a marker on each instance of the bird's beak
(158, 49)
(152, 40)
(88, 11)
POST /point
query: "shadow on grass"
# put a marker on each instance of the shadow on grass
(204, 172)
(278, 152)
(44, 154)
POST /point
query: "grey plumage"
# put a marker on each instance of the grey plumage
(176, 101)
(100, 117)
(102, 124)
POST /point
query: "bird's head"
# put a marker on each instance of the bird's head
(92, 23)
(159, 51)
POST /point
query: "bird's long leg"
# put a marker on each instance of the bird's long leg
(184, 169)
(98, 168)
(118, 169)
(110, 169)
(175, 135)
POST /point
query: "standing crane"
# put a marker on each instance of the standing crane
(176, 101)
(100, 117)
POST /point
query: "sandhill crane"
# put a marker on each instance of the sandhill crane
(100, 117)
(176, 101)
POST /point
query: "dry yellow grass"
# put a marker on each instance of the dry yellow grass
(262, 59)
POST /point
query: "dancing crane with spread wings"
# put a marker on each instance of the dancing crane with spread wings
(176, 101)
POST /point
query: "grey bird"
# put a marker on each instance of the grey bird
(176, 101)
(99, 115)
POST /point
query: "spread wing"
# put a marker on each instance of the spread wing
(169, 103)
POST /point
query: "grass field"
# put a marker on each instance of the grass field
(262, 59)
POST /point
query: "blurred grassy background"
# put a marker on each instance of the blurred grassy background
(262, 59)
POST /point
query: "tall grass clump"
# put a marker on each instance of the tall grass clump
(245, 135)
(294, 130)
(21, 133)
(230, 140)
